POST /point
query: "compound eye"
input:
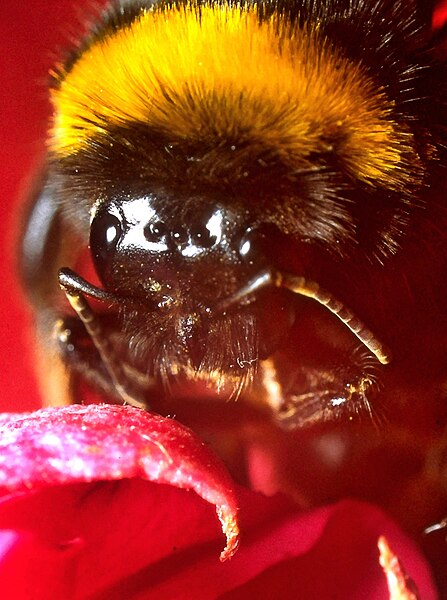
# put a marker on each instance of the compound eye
(252, 244)
(105, 232)
(262, 243)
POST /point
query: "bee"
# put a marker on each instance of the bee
(242, 200)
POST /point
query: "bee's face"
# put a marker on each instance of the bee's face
(222, 160)
(174, 269)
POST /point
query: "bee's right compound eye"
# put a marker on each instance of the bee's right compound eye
(106, 231)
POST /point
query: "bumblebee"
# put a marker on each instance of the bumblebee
(242, 200)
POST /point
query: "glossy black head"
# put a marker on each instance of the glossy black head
(144, 249)
(177, 268)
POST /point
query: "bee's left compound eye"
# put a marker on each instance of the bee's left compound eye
(105, 232)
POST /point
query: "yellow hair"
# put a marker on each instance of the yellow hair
(219, 73)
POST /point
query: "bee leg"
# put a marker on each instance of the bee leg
(114, 365)
(317, 393)
(83, 358)
(326, 403)
(57, 383)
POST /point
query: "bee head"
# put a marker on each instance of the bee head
(207, 142)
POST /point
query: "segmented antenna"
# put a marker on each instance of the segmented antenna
(75, 287)
(311, 289)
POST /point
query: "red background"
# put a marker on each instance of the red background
(32, 34)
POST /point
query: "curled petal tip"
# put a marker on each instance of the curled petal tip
(228, 518)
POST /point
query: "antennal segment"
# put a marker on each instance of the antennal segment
(311, 289)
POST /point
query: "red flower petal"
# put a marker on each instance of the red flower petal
(88, 443)
(329, 553)
(63, 537)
